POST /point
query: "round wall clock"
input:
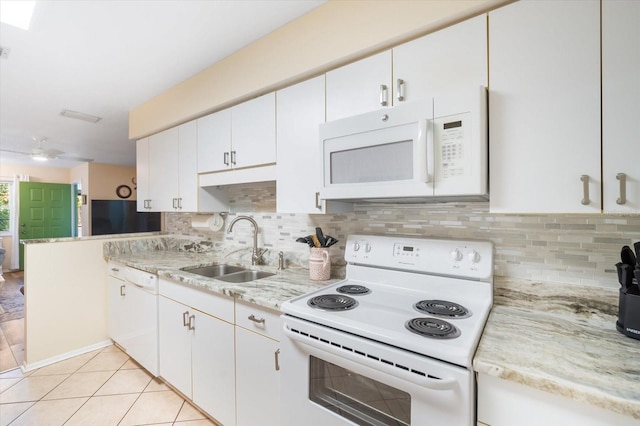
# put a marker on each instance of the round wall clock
(123, 191)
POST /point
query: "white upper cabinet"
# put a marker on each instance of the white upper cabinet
(445, 60)
(299, 173)
(621, 105)
(544, 107)
(253, 132)
(163, 169)
(238, 137)
(214, 141)
(142, 175)
(167, 170)
(187, 168)
(359, 87)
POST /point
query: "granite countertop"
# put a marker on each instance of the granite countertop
(89, 237)
(561, 339)
(269, 292)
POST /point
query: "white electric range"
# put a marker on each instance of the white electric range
(393, 343)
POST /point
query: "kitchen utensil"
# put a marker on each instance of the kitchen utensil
(316, 241)
(626, 276)
(627, 256)
(636, 246)
(330, 241)
(321, 238)
(306, 240)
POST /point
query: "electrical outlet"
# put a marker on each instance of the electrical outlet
(4, 52)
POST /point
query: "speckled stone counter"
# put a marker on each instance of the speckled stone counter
(90, 237)
(165, 260)
(561, 339)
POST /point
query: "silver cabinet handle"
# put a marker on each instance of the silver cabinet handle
(256, 320)
(180, 203)
(175, 203)
(185, 318)
(122, 293)
(400, 89)
(384, 95)
(233, 158)
(225, 159)
(192, 322)
(318, 205)
(585, 189)
(276, 355)
(623, 188)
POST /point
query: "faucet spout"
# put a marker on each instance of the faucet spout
(254, 254)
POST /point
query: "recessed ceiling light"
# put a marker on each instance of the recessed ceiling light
(17, 13)
(80, 116)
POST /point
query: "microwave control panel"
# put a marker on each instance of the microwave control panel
(453, 145)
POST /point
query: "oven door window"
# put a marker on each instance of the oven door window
(360, 399)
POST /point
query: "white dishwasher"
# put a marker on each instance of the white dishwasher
(133, 313)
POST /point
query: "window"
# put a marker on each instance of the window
(5, 197)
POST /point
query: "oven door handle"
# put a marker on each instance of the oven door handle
(334, 348)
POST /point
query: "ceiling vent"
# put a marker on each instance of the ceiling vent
(80, 116)
(4, 52)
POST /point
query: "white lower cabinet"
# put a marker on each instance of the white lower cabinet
(257, 366)
(506, 403)
(197, 348)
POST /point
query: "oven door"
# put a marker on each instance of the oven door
(332, 378)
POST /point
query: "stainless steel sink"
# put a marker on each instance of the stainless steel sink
(214, 271)
(244, 276)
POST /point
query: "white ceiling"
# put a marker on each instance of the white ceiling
(106, 57)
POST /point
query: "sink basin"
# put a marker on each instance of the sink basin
(244, 276)
(212, 271)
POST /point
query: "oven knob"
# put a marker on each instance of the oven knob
(474, 256)
(367, 247)
(356, 246)
(456, 255)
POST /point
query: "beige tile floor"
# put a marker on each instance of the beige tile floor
(11, 344)
(104, 387)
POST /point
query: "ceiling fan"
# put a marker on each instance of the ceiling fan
(38, 153)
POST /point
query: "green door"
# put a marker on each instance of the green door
(45, 212)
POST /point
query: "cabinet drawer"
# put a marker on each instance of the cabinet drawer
(261, 320)
(117, 270)
(216, 305)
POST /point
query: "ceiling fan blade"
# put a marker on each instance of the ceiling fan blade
(52, 153)
(73, 158)
(15, 152)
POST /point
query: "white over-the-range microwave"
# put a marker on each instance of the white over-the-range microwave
(434, 149)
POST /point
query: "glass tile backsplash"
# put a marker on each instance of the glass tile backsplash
(576, 249)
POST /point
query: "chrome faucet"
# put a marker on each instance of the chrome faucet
(255, 257)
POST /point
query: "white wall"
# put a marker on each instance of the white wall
(65, 299)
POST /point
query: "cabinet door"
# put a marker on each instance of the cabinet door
(448, 59)
(299, 172)
(174, 344)
(163, 170)
(214, 367)
(257, 379)
(214, 141)
(117, 320)
(358, 87)
(544, 112)
(188, 168)
(253, 132)
(142, 174)
(621, 105)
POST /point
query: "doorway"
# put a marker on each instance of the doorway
(47, 210)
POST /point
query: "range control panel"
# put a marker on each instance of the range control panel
(466, 259)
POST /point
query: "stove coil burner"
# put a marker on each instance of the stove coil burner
(432, 327)
(442, 308)
(353, 289)
(332, 302)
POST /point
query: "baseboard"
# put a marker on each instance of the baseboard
(35, 365)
